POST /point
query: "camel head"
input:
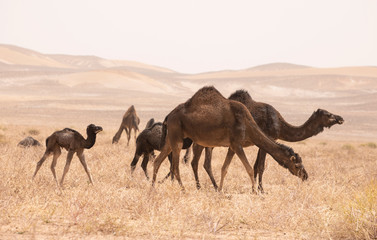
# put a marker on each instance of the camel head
(93, 129)
(295, 165)
(328, 119)
(115, 140)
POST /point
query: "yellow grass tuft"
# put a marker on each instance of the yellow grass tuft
(369, 145)
(3, 139)
(361, 213)
(34, 132)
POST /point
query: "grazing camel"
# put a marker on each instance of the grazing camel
(211, 120)
(73, 142)
(148, 141)
(29, 142)
(130, 121)
(274, 126)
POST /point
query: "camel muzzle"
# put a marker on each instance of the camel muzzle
(339, 120)
(303, 174)
(98, 129)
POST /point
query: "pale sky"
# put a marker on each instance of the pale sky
(198, 35)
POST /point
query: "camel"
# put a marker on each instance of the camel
(130, 121)
(211, 120)
(274, 126)
(148, 141)
(73, 142)
(29, 142)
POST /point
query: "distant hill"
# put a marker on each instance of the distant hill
(278, 67)
(14, 55)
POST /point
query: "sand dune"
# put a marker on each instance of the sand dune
(19, 56)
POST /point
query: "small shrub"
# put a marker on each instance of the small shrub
(34, 132)
(348, 147)
(369, 145)
(2, 139)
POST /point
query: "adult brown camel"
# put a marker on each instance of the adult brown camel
(130, 121)
(211, 120)
(73, 142)
(274, 126)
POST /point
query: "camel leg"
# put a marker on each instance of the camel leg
(40, 162)
(81, 156)
(187, 156)
(208, 167)
(224, 168)
(170, 171)
(128, 131)
(197, 151)
(160, 158)
(249, 169)
(135, 134)
(175, 162)
(259, 168)
(57, 153)
(67, 164)
(134, 162)
(144, 164)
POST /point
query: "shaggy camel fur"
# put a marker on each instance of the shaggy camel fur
(130, 121)
(211, 120)
(148, 141)
(274, 126)
(73, 142)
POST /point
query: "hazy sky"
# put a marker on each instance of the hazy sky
(198, 35)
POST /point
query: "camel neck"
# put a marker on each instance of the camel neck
(292, 133)
(90, 141)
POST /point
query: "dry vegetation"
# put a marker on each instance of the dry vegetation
(338, 201)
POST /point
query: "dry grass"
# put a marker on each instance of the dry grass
(338, 201)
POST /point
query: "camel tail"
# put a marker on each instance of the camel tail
(163, 133)
(47, 140)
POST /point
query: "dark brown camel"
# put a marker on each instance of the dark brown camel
(211, 120)
(130, 121)
(148, 141)
(73, 142)
(29, 142)
(274, 126)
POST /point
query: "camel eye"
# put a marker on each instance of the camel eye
(298, 165)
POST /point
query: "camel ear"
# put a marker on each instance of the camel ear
(292, 158)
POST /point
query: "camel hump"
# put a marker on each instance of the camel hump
(69, 130)
(149, 123)
(205, 95)
(241, 96)
(130, 110)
